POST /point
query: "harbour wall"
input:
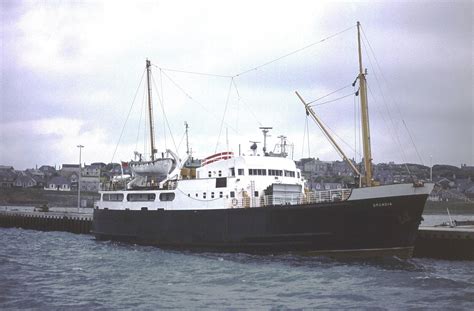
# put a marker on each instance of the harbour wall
(445, 242)
(30, 218)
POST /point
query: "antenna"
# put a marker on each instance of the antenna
(227, 137)
(283, 145)
(187, 138)
(265, 130)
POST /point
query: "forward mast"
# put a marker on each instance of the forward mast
(367, 179)
(150, 110)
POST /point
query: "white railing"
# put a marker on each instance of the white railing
(292, 199)
(328, 196)
(122, 185)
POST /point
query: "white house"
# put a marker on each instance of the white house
(58, 183)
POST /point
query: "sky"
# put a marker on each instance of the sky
(72, 72)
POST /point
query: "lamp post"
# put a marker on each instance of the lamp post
(79, 180)
(431, 168)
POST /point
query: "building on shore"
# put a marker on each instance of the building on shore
(58, 183)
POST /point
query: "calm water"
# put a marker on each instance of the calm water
(58, 270)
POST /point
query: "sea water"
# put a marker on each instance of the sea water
(59, 270)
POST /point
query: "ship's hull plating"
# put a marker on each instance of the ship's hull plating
(354, 228)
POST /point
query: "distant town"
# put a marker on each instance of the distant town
(453, 183)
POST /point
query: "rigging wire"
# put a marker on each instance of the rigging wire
(293, 52)
(355, 127)
(397, 137)
(412, 141)
(140, 120)
(240, 100)
(163, 109)
(233, 83)
(181, 141)
(307, 129)
(165, 118)
(145, 131)
(163, 70)
(340, 89)
(194, 100)
(340, 138)
(128, 115)
(194, 72)
(305, 134)
(223, 116)
(386, 82)
(392, 122)
(333, 100)
(259, 66)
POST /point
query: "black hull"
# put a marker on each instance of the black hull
(354, 228)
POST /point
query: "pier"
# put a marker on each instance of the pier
(56, 220)
(445, 242)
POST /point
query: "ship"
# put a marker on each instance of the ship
(259, 203)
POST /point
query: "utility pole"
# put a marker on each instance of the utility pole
(79, 180)
(431, 168)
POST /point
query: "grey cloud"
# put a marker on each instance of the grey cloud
(431, 81)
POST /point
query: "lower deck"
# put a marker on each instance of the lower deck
(177, 199)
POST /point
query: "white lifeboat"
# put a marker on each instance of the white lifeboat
(157, 168)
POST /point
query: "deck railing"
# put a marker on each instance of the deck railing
(122, 185)
(292, 199)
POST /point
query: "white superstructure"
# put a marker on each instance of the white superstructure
(242, 181)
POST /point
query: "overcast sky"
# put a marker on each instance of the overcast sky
(70, 71)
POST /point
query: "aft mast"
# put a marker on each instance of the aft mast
(150, 110)
(367, 179)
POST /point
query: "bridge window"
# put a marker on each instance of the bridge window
(167, 196)
(259, 172)
(241, 171)
(275, 172)
(232, 171)
(289, 173)
(141, 197)
(112, 197)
